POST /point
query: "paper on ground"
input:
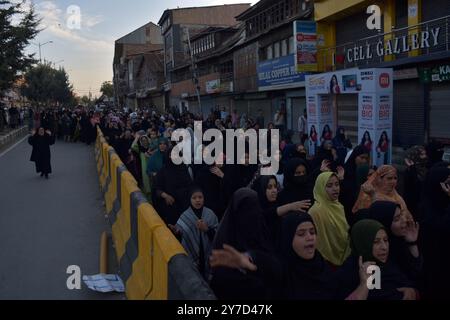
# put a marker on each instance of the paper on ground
(104, 283)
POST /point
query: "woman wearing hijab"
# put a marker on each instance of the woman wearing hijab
(172, 185)
(381, 187)
(156, 161)
(325, 155)
(403, 235)
(341, 144)
(197, 227)
(256, 273)
(435, 235)
(267, 189)
(329, 217)
(296, 182)
(307, 275)
(356, 170)
(416, 172)
(41, 142)
(370, 243)
(239, 176)
(141, 147)
(210, 179)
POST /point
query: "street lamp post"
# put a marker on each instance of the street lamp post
(40, 50)
(57, 62)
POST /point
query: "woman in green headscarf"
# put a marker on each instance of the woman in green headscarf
(370, 245)
(141, 146)
(329, 217)
(156, 161)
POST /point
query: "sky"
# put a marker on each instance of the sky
(87, 52)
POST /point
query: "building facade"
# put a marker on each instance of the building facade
(178, 27)
(265, 77)
(413, 39)
(138, 68)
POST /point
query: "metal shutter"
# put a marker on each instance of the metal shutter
(409, 121)
(440, 111)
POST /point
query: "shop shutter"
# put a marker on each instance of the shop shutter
(409, 122)
(440, 111)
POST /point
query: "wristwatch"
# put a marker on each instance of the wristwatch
(411, 244)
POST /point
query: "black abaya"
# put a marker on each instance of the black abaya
(41, 152)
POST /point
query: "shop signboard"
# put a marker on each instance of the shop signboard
(279, 73)
(440, 73)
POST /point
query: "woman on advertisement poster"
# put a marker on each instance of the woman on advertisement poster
(366, 142)
(326, 133)
(383, 150)
(334, 85)
(312, 140)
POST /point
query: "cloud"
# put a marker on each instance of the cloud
(54, 21)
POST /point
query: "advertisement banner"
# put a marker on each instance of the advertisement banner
(326, 124)
(313, 123)
(213, 86)
(305, 38)
(279, 73)
(366, 121)
(375, 106)
(383, 149)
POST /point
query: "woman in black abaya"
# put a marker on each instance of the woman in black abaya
(171, 190)
(41, 142)
(435, 236)
(243, 234)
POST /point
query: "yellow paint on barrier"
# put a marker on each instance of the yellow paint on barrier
(111, 192)
(165, 247)
(122, 227)
(140, 284)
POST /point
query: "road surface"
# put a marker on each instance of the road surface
(48, 225)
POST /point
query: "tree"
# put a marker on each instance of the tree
(85, 100)
(46, 85)
(107, 89)
(17, 28)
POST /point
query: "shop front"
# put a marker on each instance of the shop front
(284, 86)
(360, 100)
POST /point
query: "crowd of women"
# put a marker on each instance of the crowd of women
(313, 230)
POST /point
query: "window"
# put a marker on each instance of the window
(291, 45)
(276, 50)
(284, 47)
(269, 52)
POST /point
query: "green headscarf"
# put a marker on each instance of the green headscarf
(156, 161)
(362, 237)
(332, 228)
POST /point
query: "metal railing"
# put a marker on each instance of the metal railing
(394, 39)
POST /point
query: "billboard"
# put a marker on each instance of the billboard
(305, 44)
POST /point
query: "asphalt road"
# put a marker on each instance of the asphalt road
(48, 225)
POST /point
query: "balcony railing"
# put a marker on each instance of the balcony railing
(422, 39)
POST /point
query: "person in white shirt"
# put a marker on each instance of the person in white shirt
(303, 127)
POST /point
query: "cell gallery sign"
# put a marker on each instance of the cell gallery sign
(397, 45)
